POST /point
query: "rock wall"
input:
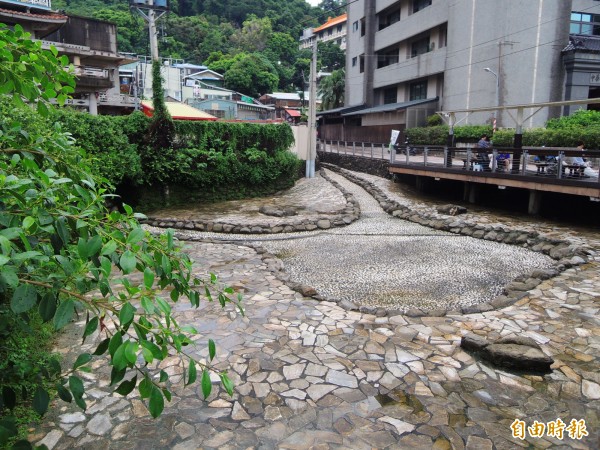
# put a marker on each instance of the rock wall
(377, 167)
(324, 221)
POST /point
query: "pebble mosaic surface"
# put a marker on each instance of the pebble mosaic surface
(311, 375)
(384, 261)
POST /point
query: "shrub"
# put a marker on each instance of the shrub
(105, 140)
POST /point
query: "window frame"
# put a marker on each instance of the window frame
(417, 90)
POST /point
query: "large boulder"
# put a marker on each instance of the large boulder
(510, 352)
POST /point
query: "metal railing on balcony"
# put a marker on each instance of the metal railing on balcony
(545, 163)
(39, 3)
(95, 72)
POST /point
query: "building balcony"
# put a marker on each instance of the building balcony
(92, 78)
(39, 4)
(408, 27)
(122, 100)
(409, 69)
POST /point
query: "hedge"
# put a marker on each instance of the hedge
(536, 137)
(220, 160)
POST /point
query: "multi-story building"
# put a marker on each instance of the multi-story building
(406, 59)
(332, 30)
(90, 44)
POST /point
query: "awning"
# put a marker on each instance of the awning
(391, 107)
(341, 110)
(293, 112)
(178, 111)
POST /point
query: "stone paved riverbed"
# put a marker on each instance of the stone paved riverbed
(309, 374)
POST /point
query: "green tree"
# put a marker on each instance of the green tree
(62, 251)
(331, 56)
(253, 75)
(331, 89)
(254, 35)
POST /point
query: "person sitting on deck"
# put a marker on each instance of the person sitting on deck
(482, 156)
(586, 167)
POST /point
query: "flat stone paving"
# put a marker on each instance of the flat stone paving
(309, 374)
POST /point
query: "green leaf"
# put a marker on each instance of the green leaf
(227, 383)
(145, 388)
(41, 399)
(212, 350)
(192, 373)
(131, 349)
(167, 394)
(126, 387)
(63, 393)
(119, 360)
(127, 262)
(114, 344)
(26, 445)
(47, 307)
(82, 359)
(23, 299)
(152, 348)
(206, 384)
(148, 278)
(136, 235)
(157, 403)
(62, 230)
(126, 314)
(117, 375)
(76, 386)
(109, 248)
(163, 305)
(164, 376)
(102, 347)
(90, 327)
(64, 313)
(28, 222)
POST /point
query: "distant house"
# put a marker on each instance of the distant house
(90, 45)
(332, 30)
(288, 105)
(231, 109)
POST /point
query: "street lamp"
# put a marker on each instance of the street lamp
(487, 69)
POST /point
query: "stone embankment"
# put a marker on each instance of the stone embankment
(290, 224)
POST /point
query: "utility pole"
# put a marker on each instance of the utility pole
(312, 116)
(154, 10)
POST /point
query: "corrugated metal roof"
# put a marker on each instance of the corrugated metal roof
(331, 21)
(293, 112)
(179, 111)
(391, 107)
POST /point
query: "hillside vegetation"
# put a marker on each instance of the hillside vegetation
(262, 34)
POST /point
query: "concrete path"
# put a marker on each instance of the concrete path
(312, 375)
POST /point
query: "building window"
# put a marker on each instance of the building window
(582, 23)
(329, 32)
(418, 90)
(388, 18)
(390, 95)
(387, 57)
(419, 47)
(339, 29)
(362, 63)
(355, 26)
(354, 61)
(418, 5)
(362, 27)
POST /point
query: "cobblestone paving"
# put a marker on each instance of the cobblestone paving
(312, 375)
